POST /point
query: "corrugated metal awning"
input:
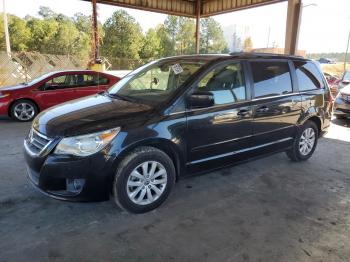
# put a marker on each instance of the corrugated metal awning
(188, 7)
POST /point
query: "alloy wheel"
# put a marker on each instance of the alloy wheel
(307, 141)
(147, 182)
(24, 111)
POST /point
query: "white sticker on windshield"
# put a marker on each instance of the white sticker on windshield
(177, 69)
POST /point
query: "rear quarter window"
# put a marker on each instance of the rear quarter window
(308, 75)
(271, 78)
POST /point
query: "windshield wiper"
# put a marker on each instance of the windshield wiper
(121, 97)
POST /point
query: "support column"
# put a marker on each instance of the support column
(6, 29)
(95, 31)
(198, 16)
(293, 26)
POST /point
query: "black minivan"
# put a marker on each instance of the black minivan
(174, 117)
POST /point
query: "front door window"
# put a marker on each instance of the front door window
(226, 83)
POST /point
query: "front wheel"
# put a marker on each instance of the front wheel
(305, 143)
(143, 180)
(24, 110)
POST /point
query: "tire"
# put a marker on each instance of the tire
(131, 191)
(24, 110)
(298, 152)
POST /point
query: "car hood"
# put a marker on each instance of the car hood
(346, 90)
(15, 87)
(90, 114)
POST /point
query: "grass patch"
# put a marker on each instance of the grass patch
(335, 69)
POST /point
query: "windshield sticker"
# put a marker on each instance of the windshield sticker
(177, 69)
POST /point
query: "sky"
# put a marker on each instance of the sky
(325, 23)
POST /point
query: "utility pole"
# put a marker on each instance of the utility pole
(346, 52)
(6, 29)
(268, 37)
(198, 21)
(96, 44)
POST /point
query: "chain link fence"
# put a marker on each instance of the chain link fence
(125, 63)
(25, 66)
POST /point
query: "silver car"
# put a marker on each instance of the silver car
(342, 103)
(344, 81)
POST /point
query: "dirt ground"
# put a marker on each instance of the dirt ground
(265, 210)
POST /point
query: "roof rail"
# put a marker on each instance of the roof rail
(259, 54)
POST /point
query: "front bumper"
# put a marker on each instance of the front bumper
(53, 175)
(341, 107)
(4, 106)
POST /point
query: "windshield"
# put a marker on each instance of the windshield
(157, 81)
(38, 79)
(346, 76)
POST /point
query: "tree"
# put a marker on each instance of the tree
(2, 33)
(42, 35)
(82, 22)
(181, 32)
(185, 36)
(46, 12)
(166, 43)
(171, 28)
(212, 37)
(248, 44)
(123, 36)
(19, 33)
(152, 45)
(236, 42)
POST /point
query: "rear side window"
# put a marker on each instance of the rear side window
(271, 78)
(90, 80)
(309, 77)
(102, 80)
(85, 80)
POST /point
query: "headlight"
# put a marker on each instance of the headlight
(85, 145)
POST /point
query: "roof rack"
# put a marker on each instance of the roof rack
(265, 55)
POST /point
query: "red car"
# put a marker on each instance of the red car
(24, 101)
(333, 82)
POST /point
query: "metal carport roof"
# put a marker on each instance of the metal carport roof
(204, 8)
(189, 7)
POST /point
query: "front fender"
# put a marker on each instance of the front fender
(168, 135)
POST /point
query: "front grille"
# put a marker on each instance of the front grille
(36, 143)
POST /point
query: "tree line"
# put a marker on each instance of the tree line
(120, 36)
(338, 57)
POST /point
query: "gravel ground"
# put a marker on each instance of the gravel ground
(265, 210)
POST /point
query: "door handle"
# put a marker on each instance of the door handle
(243, 112)
(263, 109)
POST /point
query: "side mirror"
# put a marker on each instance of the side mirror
(201, 99)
